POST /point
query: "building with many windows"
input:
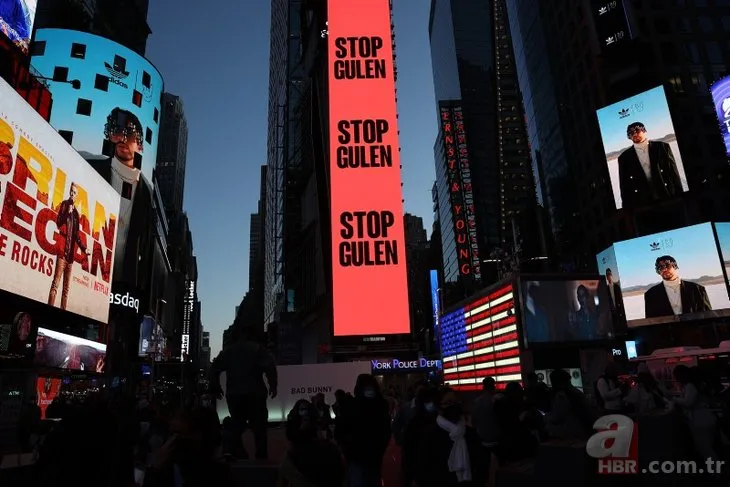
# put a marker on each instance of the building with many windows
(484, 176)
(172, 152)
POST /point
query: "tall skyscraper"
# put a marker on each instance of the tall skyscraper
(122, 21)
(172, 153)
(285, 76)
(483, 171)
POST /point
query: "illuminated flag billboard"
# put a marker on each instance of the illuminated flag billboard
(481, 340)
(721, 99)
(368, 248)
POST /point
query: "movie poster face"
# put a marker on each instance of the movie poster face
(58, 217)
(16, 21)
(643, 157)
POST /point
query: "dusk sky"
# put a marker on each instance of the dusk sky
(216, 57)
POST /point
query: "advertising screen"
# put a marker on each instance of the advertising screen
(112, 119)
(481, 340)
(369, 268)
(46, 390)
(16, 21)
(608, 268)
(146, 336)
(723, 238)
(612, 24)
(61, 351)
(58, 218)
(17, 338)
(644, 161)
(720, 91)
(566, 311)
(675, 275)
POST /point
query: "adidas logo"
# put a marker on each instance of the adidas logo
(623, 113)
(655, 246)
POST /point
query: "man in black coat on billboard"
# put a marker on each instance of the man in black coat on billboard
(122, 168)
(674, 296)
(647, 170)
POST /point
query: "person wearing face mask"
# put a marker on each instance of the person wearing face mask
(310, 461)
(363, 432)
(451, 453)
(423, 418)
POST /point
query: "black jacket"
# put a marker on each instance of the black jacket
(636, 190)
(142, 220)
(694, 300)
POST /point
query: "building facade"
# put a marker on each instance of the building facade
(574, 58)
(283, 158)
(172, 153)
(483, 171)
(122, 21)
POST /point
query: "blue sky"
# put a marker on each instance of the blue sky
(649, 107)
(693, 247)
(216, 58)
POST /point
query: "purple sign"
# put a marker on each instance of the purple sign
(721, 99)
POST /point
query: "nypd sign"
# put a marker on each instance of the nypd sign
(395, 365)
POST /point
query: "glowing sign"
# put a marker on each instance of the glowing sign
(369, 267)
(721, 99)
(481, 340)
(461, 196)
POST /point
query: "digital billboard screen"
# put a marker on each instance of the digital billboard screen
(61, 351)
(47, 389)
(723, 239)
(608, 268)
(720, 91)
(566, 310)
(16, 21)
(17, 337)
(643, 157)
(481, 340)
(670, 276)
(112, 119)
(58, 217)
(369, 265)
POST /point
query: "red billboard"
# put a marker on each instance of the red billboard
(370, 288)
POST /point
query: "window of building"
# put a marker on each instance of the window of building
(714, 53)
(676, 83)
(156, 115)
(137, 98)
(83, 107)
(67, 135)
(148, 136)
(60, 74)
(101, 82)
(707, 25)
(38, 48)
(78, 51)
(691, 52)
(146, 79)
(698, 82)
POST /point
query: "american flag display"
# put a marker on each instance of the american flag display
(481, 340)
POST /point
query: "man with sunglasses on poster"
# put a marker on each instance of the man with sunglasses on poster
(123, 145)
(647, 170)
(674, 296)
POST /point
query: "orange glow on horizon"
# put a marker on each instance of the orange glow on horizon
(370, 286)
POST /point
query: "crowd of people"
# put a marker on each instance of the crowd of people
(444, 439)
